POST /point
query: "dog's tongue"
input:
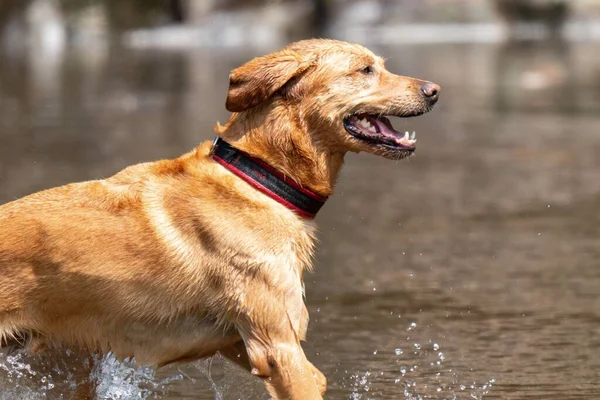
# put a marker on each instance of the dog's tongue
(384, 126)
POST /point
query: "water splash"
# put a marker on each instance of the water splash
(420, 374)
(20, 380)
(125, 380)
(360, 385)
(32, 377)
(63, 373)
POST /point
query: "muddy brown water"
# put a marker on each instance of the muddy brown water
(468, 271)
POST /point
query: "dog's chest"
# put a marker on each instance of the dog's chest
(279, 252)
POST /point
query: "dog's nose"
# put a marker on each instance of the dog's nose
(431, 91)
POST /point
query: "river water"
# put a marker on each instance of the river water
(467, 271)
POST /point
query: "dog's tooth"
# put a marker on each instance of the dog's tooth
(364, 123)
(406, 136)
(412, 137)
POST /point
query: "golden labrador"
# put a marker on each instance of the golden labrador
(175, 260)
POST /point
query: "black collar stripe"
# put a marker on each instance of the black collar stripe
(288, 180)
(268, 180)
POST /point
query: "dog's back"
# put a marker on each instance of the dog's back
(54, 257)
(81, 264)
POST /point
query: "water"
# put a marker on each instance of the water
(467, 271)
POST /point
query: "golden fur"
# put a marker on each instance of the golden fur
(175, 260)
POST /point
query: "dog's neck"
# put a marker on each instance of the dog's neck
(287, 146)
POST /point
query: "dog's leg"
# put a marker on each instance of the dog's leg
(320, 379)
(238, 354)
(286, 371)
(271, 328)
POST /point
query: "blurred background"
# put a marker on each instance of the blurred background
(468, 271)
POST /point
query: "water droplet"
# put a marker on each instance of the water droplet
(462, 387)
(375, 352)
(403, 370)
(436, 346)
(412, 326)
(439, 389)
(398, 351)
(441, 356)
(417, 346)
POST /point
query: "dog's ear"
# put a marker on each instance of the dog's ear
(258, 79)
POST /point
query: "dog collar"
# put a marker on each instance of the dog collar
(267, 179)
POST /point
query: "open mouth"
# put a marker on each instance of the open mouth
(378, 130)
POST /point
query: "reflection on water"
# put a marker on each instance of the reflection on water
(469, 270)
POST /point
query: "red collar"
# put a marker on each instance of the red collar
(267, 179)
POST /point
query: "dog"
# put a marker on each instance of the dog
(176, 260)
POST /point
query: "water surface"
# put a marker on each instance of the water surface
(467, 271)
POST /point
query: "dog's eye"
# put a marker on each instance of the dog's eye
(367, 70)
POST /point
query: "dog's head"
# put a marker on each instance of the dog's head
(340, 93)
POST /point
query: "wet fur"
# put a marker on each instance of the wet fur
(174, 260)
